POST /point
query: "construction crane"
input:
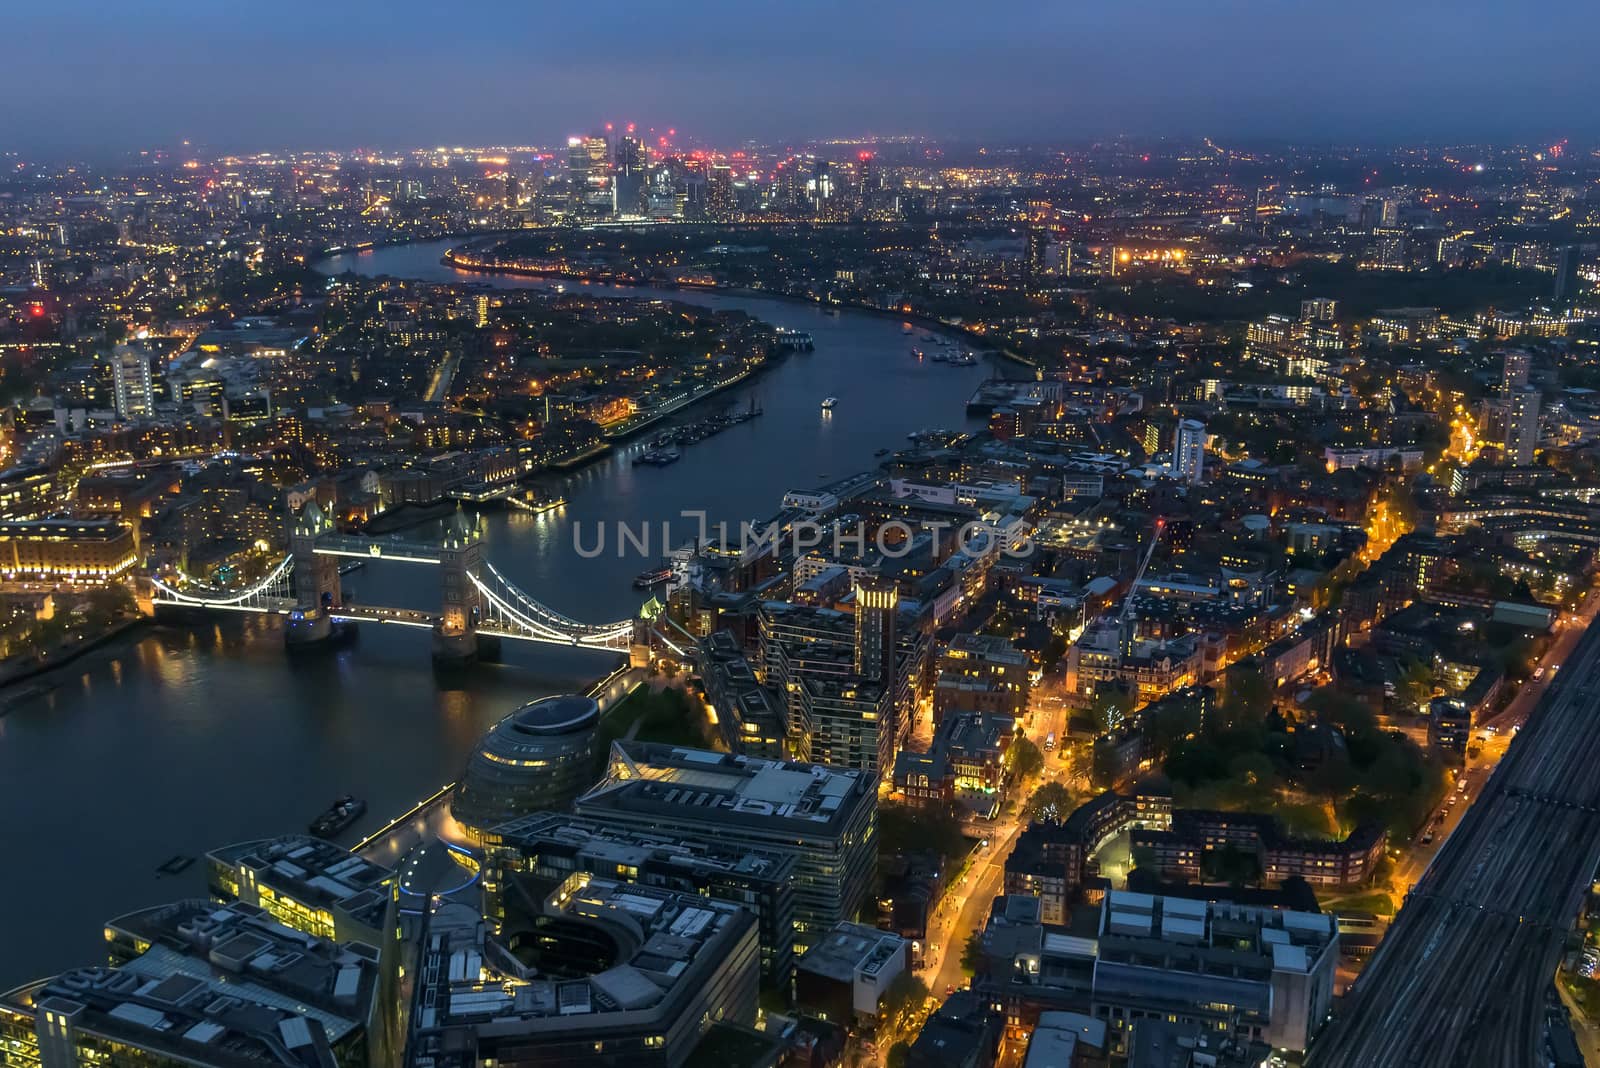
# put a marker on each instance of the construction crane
(1124, 633)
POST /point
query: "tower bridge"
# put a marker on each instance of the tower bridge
(478, 606)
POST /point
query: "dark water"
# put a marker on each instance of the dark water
(190, 738)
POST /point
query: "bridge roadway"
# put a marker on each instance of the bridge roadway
(506, 611)
(1460, 980)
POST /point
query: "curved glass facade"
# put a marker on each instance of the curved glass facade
(539, 757)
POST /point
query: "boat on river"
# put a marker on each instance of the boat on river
(339, 815)
(655, 576)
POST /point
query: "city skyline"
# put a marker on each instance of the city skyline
(893, 536)
(112, 81)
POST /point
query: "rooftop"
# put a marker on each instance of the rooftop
(606, 953)
(635, 848)
(850, 948)
(722, 788)
(314, 871)
(224, 985)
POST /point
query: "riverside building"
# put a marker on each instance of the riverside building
(196, 984)
(825, 818)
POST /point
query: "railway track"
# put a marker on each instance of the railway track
(1460, 979)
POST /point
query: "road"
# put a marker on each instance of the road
(1461, 978)
(965, 906)
(443, 375)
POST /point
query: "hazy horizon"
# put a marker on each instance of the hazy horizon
(95, 79)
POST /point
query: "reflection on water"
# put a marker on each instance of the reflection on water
(194, 737)
(189, 739)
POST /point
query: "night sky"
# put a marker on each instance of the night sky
(92, 78)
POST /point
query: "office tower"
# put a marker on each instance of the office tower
(720, 203)
(877, 604)
(480, 310)
(825, 818)
(664, 197)
(1189, 451)
(512, 193)
(577, 173)
(597, 194)
(1514, 371)
(1522, 426)
(532, 183)
(1566, 285)
(542, 850)
(595, 973)
(589, 175)
(821, 184)
(132, 391)
(787, 187)
(871, 177)
(632, 160)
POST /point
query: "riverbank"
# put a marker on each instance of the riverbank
(452, 258)
(225, 738)
(35, 668)
(668, 412)
(430, 817)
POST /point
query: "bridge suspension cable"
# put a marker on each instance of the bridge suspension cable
(547, 616)
(271, 593)
(512, 605)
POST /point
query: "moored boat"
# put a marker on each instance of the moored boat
(339, 815)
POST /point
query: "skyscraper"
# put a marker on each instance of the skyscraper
(1033, 263)
(577, 173)
(133, 394)
(869, 179)
(597, 191)
(1514, 371)
(588, 175)
(877, 602)
(1522, 426)
(1566, 286)
(1189, 450)
(721, 205)
(821, 184)
(632, 159)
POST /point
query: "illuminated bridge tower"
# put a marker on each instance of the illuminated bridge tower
(316, 580)
(455, 637)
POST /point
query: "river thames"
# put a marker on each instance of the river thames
(185, 739)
